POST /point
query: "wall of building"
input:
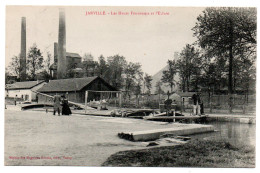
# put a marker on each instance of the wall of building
(26, 94)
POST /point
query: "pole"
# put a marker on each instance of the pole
(86, 101)
(120, 99)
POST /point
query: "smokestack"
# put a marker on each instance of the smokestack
(55, 52)
(23, 50)
(62, 65)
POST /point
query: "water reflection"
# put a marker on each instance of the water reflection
(234, 132)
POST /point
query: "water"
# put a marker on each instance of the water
(230, 131)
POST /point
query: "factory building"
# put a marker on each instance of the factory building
(74, 88)
(63, 61)
(73, 61)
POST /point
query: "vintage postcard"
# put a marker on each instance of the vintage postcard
(130, 86)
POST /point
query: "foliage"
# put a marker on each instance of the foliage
(47, 62)
(103, 69)
(168, 75)
(34, 62)
(90, 68)
(14, 67)
(88, 57)
(44, 75)
(189, 68)
(133, 77)
(116, 65)
(228, 33)
(147, 83)
(158, 87)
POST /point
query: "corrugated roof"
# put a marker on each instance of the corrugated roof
(64, 85)
(24, 85)
(73, 54)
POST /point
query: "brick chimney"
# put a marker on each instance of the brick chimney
(62, 65)
(55, 52)
(23, 50)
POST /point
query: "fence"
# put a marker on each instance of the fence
(211, 103)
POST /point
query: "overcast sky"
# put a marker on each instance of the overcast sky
(150, 40)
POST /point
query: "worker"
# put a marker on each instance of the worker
(196, 103)
(57, 104)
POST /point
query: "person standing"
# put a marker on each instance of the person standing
(196, 104)
(65, 106)
(57, 104)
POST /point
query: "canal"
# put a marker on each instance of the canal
(233, 132)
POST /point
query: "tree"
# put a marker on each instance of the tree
(102, 67)
(88, 57)
(44, 75)
(133, 77)
(14, 67)
(90, 68)
(9, 79)
(34, 61)
(168, 75)
(158, 87)
(116, 65)
(47, 62)
(188, 67)
(228, 33)
(147, 83)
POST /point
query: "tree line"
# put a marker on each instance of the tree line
(223, 56)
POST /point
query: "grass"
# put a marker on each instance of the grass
(196, 153)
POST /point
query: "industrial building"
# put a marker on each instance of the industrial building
(74, 89)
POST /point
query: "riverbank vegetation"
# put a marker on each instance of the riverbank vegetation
(196, 153)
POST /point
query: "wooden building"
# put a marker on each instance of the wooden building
(75, 88)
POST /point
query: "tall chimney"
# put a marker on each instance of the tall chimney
(23, 50)
(62, 65)
(55, 52)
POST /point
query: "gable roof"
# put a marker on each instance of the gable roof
(72, 84)
(23, 85)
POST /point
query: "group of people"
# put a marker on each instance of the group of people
(61, 105)
(198, 108)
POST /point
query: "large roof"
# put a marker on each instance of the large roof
(23, 85)
(64, 85)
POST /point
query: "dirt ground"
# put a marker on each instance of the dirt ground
(39, 138)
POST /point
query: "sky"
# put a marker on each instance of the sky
(148, 39)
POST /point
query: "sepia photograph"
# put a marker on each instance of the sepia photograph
(130, 86)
